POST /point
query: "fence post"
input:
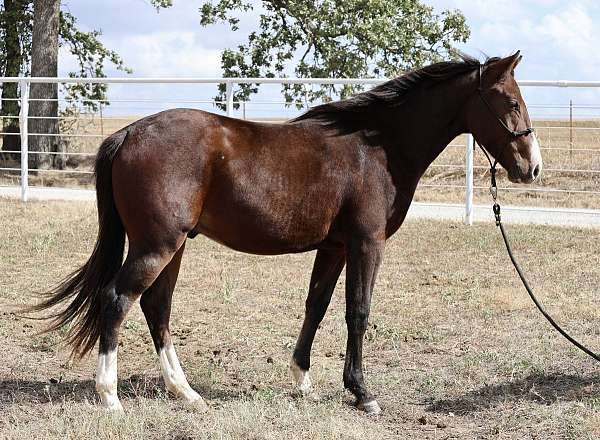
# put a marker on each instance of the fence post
(229, 98)
(23, 117)
(571, 129)
(469, 180)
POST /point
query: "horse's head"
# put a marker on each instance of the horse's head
(499, 121)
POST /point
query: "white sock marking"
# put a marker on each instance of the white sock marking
(371, 408)
(174, 376)
(106, 380)
(301, 378)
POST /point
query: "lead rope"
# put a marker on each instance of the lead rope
(496, 209)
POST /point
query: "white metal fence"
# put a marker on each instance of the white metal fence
(468, 165)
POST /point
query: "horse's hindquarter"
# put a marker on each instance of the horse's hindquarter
(273, 188)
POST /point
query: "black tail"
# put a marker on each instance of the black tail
(85, 286)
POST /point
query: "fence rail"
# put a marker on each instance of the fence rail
(468, 163)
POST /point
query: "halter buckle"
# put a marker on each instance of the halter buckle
(494, 192)
(525, 132)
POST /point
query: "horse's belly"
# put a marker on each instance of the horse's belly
(267, 223)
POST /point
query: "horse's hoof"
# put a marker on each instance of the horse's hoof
(314, 396)
(301, 379)
(310, 395)
(198, 405)
(371, 408)
(113, 406)
(109, 401)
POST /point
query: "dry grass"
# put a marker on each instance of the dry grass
(454, 349)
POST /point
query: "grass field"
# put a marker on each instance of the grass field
(454, 349)
(554, 135)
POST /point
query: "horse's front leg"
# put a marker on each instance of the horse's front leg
(326, 271)
(363, 260)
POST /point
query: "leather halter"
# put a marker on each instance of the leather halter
(513, 133)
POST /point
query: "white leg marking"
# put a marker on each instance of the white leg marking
(106, 380)
(174, 377)
(372, 408)
(301, 378)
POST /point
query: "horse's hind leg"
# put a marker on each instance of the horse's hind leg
(156, 305)
(326, 270)
(141, 267)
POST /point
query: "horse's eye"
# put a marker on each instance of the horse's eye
(514, 105)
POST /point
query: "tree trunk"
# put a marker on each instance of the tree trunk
(13, 12)
(44, 62)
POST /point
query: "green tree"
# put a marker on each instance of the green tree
(333, 39)
(16, 29)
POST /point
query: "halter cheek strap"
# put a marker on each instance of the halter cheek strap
(513, 133)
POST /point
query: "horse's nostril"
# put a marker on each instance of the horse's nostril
(535, 172)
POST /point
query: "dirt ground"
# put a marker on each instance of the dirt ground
(454, 350)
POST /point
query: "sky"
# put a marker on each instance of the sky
(558, 39)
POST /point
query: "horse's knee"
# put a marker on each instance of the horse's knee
(357, 321)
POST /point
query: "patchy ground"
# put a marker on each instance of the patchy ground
(454, 347)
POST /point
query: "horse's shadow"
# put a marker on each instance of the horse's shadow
(16, 391)
(544, 389)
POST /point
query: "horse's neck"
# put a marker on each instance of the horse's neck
(423, 128)
(427, 124)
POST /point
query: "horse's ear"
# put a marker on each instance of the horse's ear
(498, 70)
(519, 58)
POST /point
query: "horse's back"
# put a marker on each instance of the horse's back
(256, 187)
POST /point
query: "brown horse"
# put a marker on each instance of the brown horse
(338, 179)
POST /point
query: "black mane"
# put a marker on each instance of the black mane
(350, 115)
